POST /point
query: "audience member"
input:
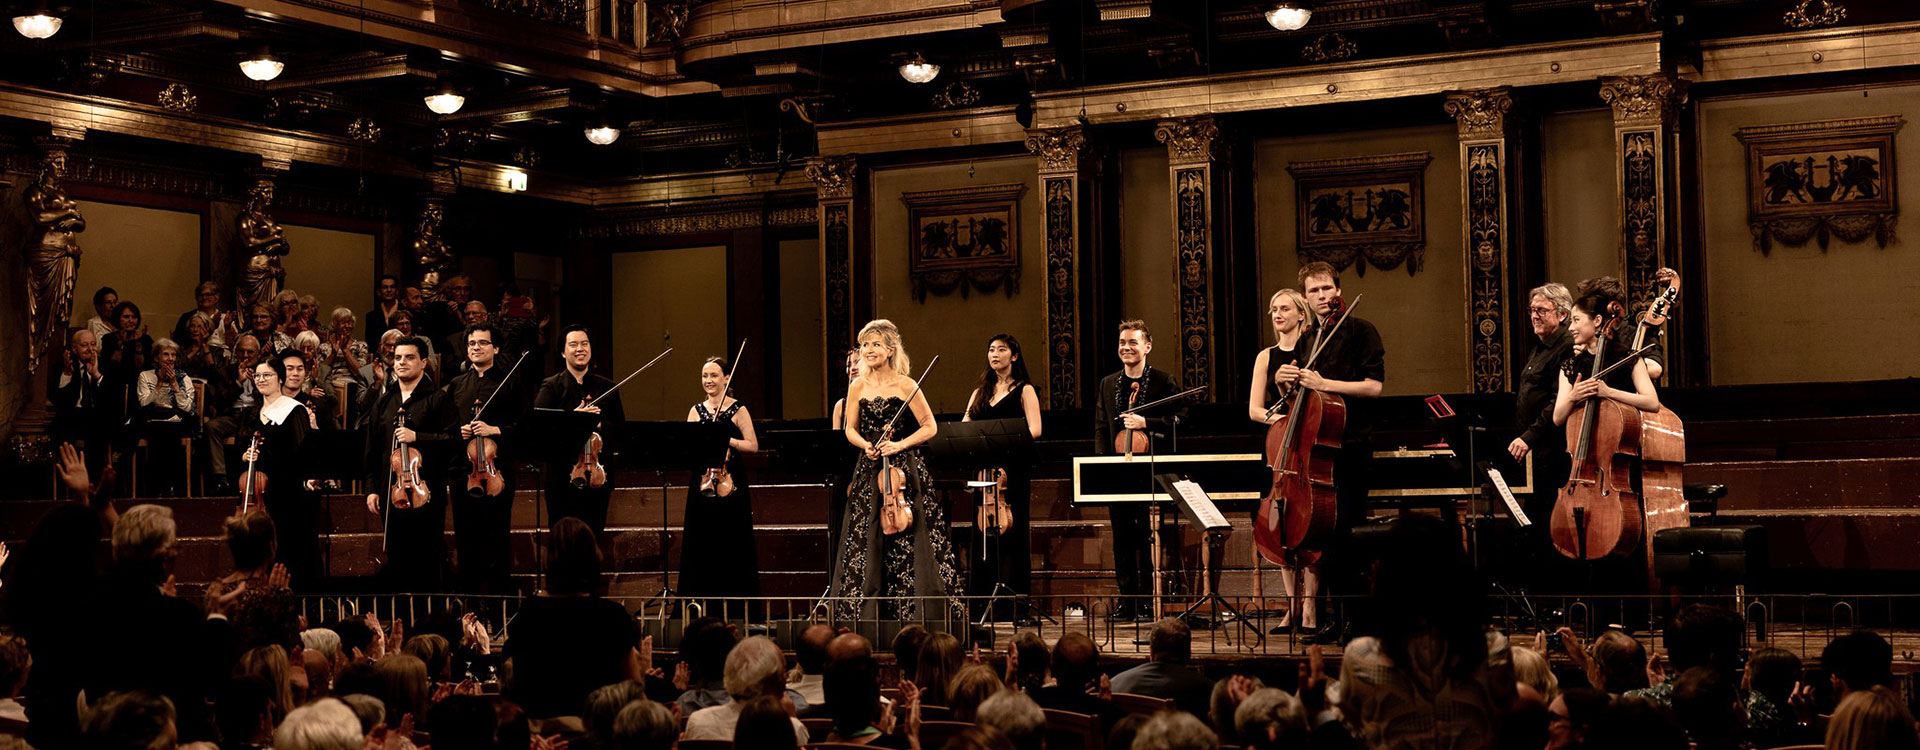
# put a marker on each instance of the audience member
(104, 300)
(82, 405)
(1075, 668)
(752, 670)
(261, 326)
(463, 721)
(433, 650)
(1857, 661)
(244, 712)
(763, 722)
(131, 720)
(973, 685)
(1530, 668)
(568, 641)
(1168, 672)
(604, 705)
(1027, 655)
(144, 548)
(940, 659)
(1698, 635)
(1270, 719)
(206, 309)
(810, 656)
(1708, 706)
(1017, 717)
(165, 415)
(49, 598)
(1872, 718)
(644, 725)
(1223, 704)
(1124, 733)
(15, 664)
(1174, 730)
(268, 665)
(1632, 722)
(262, 611)
(386, 302)
(1572, 716)
(704, 646)
(1618, 664)
(906, 649)
(853, 700)
(325, 724)
(199, 358)
(403, 687)
(1772, 672)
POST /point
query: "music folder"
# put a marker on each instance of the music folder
(1506, 495)
(1194, 503)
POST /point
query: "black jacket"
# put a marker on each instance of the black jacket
(1109, 403)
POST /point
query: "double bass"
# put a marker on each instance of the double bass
(1597, 513)
(1301, 510)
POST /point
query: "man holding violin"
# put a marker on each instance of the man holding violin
(481, 474)
(575, 388)
(1117, 428)
(415, 526)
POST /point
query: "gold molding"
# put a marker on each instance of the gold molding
(1849, 125)
(1481, 112)
(1189, 140)
(1650, 99)
(1060, 149)
(833, 176)
(976, 126)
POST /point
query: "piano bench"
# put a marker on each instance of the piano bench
(1701, 557)
(1703, 498)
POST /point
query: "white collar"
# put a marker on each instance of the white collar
(276, 412)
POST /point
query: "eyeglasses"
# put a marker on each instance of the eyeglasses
(262, 375)
(1542, 311)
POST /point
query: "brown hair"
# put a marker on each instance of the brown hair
(1137, 325)
(1319, 268)
(971, 687)
(1874, 719)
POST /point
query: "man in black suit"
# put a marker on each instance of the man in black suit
(572, 388)
(480, 524)
(415, 536)
(81, 413)
(1135, 383)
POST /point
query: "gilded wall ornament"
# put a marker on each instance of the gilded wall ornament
(53, 254)
(177, 97)
(956, 94)
(1063, 350)
(1481, 111)
(1189, 140)
(965, 239)
(430, 249)
(1192, 225)
(1803, 16)
(1360, 211)
(1649, 98)
(1823, 179)
(1486, 265)
(1328, 48)
(263, 242)
(364, 130)
(1059, 149)
(666, 21)
(559, 12)
(833, 176)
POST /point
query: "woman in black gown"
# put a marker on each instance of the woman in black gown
(880, 575)
(282, 423)
(1291, 316)
(1005, 391)
(717, 557)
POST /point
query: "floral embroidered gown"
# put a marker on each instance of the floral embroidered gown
(890, 577)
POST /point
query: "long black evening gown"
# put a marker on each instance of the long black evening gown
(888, 577)
(717, 555)
(1009, 550)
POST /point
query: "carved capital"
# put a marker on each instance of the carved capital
(1643, 99)
(442, 182)
(1059, 149)
(1189, 140)
(833, 175)
(1481, 112)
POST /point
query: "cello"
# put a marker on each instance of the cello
(718, 482)
(1597, 513)
(1301, 509)
(896, 511)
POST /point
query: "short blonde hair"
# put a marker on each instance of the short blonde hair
(890, 337)
(303, 338)
(1299, 303)
(1530, 668)
(1874, 718)
(144, 532)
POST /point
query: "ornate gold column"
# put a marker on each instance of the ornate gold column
(1486, 187)
(835, 180)
(1065, 171)
(431, 253)
(1645, 116)
(1193, 146)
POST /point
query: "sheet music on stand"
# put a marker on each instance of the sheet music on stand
(1199, 509)
(1506, 495)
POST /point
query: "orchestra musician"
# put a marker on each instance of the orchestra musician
(1352, 365)
(1005, 391)
(415, 537)
(572, 388)
(1630, 386)
(281, 424)
(481, 524)
(1655, 357)
(1547, 308)
(1135, 383)
(882, 575)
(718, 557)
(837, 505)
(1291, 316)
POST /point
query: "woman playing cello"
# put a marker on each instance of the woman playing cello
(1290, 316)
(1631, 386)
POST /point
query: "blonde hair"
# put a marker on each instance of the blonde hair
(303, 338)
(1299, 303)
(280, 301)
(269, 663)
(1530, 668)
(890, 337)
(1873, 718)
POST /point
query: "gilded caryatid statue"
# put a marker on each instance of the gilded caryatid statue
(430, 250)
(265, 243)
(53, 261)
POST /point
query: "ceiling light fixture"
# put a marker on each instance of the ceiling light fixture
(445, 100)
(918, 70)
(599, 133)
(262, 65)
(38, 23)
(1289, 15)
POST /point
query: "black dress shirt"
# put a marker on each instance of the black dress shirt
(1539, 385)
(470, 390)
(561, 391)
(1353, 353)
(1111, 401)
(430, 414)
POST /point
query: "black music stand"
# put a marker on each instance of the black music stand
(1464, 433)
(665, 446)
(558, 430)
(986, 444)
(826, 454)
(1201, 512)
(337, 457)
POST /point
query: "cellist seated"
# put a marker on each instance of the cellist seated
(1592, 316)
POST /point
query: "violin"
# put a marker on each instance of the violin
(1131, 441)
(1597, 513)
(254, 482)
(405, 488)
(483, 478)
(1299, 514)
(717, 481)
(896, 512)
(587, 472)
(994, 515)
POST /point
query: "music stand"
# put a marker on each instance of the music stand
(337, 456)
(986, 444)
(558, 430)
(1205, 516)
(665, 446)
(826, 454)
(1464, 431)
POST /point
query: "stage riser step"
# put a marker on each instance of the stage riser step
(1822, 485)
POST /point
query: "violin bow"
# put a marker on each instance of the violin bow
(916, 392)
(1159, 401)
(623, 381)
(503, 385)
(1320, 343)
(1632, 356)
(733, 368)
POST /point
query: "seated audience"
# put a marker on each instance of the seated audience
(810, 655)
(1708, 705)
(104, 300)
(325, 724)
(131, 720)
(1270, 719)
(1075, 669)
(644, 725)
(567, 641)
(1017, 717)
(433, 650)
(1029, 656)
(1631, 722)
(752, 670)
(906, 650)
(973, 685)
(1572, 716)
(403, 687)
(704, 646)
(262, 612)
(144, 548)
(1618, 663)
(1174, 730)
(1872, 717)
(604, 705)
(268, 665)
(1168, 672)
(1127, 730)
(1857, 661)
(165, 416)
(1530, 668)
(853, 700)
(53, 573)
(763, 722)
(940, 659)
(1223, 704)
